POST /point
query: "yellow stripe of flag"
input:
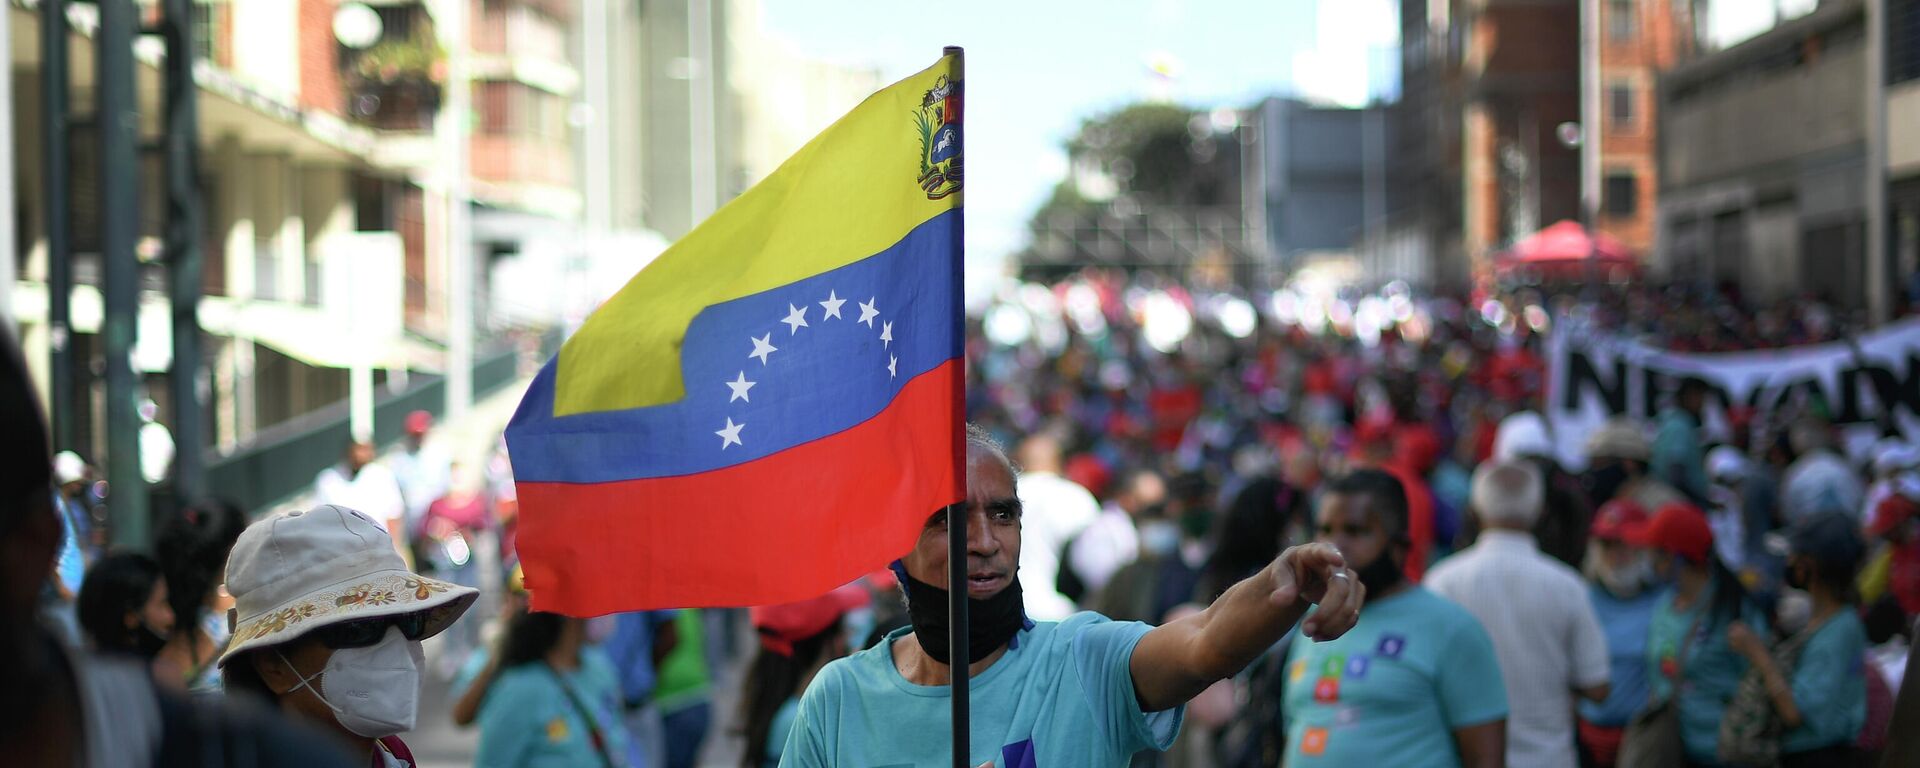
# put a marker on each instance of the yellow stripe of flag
(848, 194)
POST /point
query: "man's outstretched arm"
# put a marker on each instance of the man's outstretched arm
(1176, 661)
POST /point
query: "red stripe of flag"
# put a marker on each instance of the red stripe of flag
(798, 519)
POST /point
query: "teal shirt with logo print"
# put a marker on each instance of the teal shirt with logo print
(1392, 690)
(1706, 671)
(1062, 696)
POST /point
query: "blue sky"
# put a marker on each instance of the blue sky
(1037, 68)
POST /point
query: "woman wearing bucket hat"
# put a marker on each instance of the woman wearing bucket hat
(327, 621)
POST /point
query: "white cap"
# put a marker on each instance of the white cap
(1521, 435)
(292, 573)
(68, 468)
(1726, 461)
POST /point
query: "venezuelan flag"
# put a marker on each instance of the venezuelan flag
(774, 405)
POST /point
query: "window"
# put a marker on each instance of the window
(1620, 104)
(1622, 195)
(1620, 20)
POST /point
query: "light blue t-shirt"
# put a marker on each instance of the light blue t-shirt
(1062, 696)
(529, 719)
(1392, 690)
(1708, 670)
(1626, 623)
(778, 730)
(1830, 686)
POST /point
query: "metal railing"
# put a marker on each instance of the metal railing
(283, 460)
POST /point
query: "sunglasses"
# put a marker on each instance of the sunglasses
(366, 632)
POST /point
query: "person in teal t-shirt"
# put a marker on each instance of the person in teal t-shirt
(1704, 668)
(1082, 692)
(555, 701)
(1822, 698)
(1416, 682)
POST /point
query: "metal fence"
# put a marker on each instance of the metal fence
(284, 459)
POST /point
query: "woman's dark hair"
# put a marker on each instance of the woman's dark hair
(771, 680)
(119, 584)
(529, 637)
(1249, 535)
(239, 679)
(192, 547)
(1729, 600)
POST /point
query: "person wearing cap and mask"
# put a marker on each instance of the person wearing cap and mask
(1623, 596)
(1821, 696)
(1819, 479)
(1535, 608)
(327, 624)
(1690, 660)
(555, 699)
(796, 640)
(1617, 456)
(1622, 592)
(62, 708)
(1086, 690)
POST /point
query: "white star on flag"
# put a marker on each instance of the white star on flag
(832, 304)
(740, 387)
(886, 334)
(891, 360)
(731, 434)
(763, 346)
(796, 319)
(867, 312)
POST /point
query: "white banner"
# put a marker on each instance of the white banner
(1865, 385)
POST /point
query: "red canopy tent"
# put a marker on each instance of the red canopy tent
(1565, 247)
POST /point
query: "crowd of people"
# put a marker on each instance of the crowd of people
(1755, 589)
(1699, 592)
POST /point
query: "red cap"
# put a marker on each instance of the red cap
(1089, 472)
(1889, 513)
(1620, 520)
(419, 422)
(783, 625)
(1682, 529)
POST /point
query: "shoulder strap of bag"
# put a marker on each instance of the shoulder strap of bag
(595, 736)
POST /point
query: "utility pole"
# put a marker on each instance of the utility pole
(184, 256)
(55, 170)
(7, 259)
(457, 122)
(700, 111)
(1878, 278)
(117, 120)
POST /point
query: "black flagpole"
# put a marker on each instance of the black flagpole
(957, 529)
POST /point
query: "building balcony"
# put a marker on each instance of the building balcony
(403, 104)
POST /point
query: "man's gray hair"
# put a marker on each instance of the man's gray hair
(1509, 493)
(978, 437)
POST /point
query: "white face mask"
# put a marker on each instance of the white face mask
(375, 690)
(1628, 580)
(1159, 537)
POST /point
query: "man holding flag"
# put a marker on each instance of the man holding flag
(1084, 691)
(785, 385)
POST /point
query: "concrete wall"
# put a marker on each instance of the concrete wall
(1316, 175)
(1730, 123)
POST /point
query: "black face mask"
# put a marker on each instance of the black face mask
(991, 623)
(1381, 574)
(1796, 577)
(1603, 482)
(146, 642)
